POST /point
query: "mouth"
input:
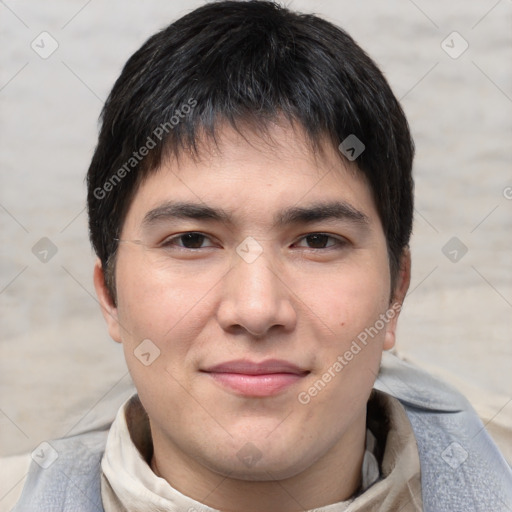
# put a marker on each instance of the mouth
(249, 378)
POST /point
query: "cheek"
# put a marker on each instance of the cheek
(170, 309)
(349, 300)
(155, 300)
(348, 346)
(161, 315)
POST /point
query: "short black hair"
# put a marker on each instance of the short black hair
(247, 62)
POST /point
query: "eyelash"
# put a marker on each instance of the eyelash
(170, 241)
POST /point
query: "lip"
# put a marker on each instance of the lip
(257, 379)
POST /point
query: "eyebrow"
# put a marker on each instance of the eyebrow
(333, 210)
(181, 210)
(336, 210)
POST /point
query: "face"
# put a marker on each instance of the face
(253, 276)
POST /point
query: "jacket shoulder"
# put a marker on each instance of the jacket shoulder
(417, 388)
(461, 467)
(65, 474)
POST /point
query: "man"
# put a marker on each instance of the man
(250, 202)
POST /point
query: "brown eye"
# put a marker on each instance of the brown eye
(192, 240)
(321, 241)
(317, 241)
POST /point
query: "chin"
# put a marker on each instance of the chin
(260, 472)
(252, 465)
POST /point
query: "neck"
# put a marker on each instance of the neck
(334, 477)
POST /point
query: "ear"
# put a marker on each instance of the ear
(108, 308)
(401, 286)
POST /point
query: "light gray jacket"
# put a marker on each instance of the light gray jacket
(461, 468)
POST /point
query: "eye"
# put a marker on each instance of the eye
(320, 241)
(190, 240)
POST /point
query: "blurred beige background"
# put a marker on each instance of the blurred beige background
(59, 371)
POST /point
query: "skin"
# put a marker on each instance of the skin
(303, 300)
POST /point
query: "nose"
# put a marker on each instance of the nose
(255, 299)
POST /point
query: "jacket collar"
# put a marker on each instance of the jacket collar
(416, 388)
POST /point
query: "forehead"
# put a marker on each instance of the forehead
(256, 174)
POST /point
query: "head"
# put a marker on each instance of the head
(232, 222)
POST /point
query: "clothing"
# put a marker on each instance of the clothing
(128, 483)
(461, 468)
